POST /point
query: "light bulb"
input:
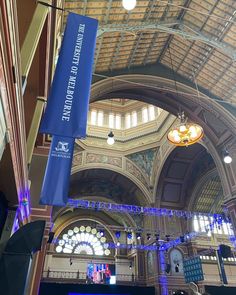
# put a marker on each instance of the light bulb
(129, 4)
(110, 138)
(175, 133)
(193, 132)
(182, 128)
(177, 138)
(227, 159)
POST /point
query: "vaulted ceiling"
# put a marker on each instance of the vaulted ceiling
(107, 184)
(181, 173)
(196, 37)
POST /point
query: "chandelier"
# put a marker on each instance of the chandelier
(185, 133)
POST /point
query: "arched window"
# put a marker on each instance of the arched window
(176, 262)
(204, 223)
(93, 117)
(128, 120)
(111, 118)
(145, 115)
(151, 111)
(134, 119)
(83, 240)
(148, 113)
(118, 121)
(100, 118)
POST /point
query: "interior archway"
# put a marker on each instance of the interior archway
(106, 183)
(180, 173)
(216, 121)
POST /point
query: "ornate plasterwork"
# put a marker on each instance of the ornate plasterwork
(104, 159)
(77, 160)
(135, 171)
(144, 160)
(156, 92)
(92, 160)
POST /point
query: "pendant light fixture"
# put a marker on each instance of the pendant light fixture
(185, 133)
(129, 4)
(226, 157)
(110, 138)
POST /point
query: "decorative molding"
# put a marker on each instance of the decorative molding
(91, 160)
(144, 160)
(77, 159)
(135, 171)
(103, 159)
(11, 95)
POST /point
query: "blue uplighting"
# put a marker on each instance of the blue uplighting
(133, 209)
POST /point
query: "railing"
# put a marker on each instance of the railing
(216, 279)
(81, 277)
(121, 279)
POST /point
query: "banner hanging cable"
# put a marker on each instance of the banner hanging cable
(51, 6)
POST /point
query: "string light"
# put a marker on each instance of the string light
(129, 236)
(117, 234)
(161, 245)
(148, 237)
(137, 210)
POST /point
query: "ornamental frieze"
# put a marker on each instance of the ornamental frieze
(104, 159)
(77, 160)
(132, 169)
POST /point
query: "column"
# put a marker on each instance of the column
(33, 132)
(141, 267)
(36, 270)
(231, 208)
(163, 281)
(192, 248)
(32, 38)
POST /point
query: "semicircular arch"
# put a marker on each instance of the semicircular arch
(146, 199)
(162, 93)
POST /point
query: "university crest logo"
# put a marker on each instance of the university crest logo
(62, 147)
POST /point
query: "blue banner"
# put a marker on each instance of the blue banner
(67, 106)
(57, 176)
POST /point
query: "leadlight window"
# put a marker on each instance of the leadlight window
(83, 240)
